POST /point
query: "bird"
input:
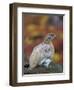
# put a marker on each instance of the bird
(42, 53)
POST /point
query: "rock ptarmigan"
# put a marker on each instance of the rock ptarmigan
(43, 52)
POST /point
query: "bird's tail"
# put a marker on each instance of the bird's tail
(26, 66)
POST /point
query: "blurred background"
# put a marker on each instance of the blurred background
(36, 27)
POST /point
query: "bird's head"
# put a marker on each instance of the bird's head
(49, 37)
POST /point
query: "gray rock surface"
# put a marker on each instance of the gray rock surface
(52, 68)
